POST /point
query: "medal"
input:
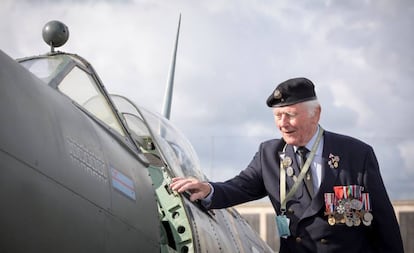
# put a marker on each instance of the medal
(289, 171)
(356, 191)
(339, 192)
(366, 205)
(339, 218)
(368, 216)
(329, 202)
(287, 161)
(331, 220)
(357, 221)
(356, 204)
(348, 205)
(366, 223)
(349, 221)
(366, 202)
(340, 208)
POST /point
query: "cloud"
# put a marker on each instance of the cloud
(232, 54)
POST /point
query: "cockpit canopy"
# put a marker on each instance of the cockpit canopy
(74, 77)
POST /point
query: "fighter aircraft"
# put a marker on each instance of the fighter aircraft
(85, 171)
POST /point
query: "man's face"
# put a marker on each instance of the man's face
(296, 124)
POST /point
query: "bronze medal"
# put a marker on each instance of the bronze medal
(286, 162)
(331, 220)
(339, 218)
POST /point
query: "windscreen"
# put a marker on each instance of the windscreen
(172, 144)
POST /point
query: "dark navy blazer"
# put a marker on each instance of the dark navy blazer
(308, 225)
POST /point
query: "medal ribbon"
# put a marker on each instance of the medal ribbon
(357, 192)
(365, 202)
(329, 202)
(283, 196)
(339, 192)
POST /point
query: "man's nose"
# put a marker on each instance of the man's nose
(284, 119)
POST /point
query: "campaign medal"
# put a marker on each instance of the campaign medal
(356, 204)
(367, 217)
(286, 162)
(357, 221)
(348, 205)
(329, 202)
(289, 171)
(366, 223)
(339, 192)
(349, 221)
(331, 220)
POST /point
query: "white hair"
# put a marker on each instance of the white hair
(312, 106)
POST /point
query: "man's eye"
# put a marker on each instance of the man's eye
(287, 114)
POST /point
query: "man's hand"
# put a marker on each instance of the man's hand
(197, 189)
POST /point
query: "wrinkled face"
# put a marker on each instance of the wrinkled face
(296, 124)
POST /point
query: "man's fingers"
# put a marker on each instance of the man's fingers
(197, 189)
(183, 184)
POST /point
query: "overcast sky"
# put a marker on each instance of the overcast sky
(231, 55)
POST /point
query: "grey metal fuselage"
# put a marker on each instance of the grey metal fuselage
(79, 175)
(55, 182)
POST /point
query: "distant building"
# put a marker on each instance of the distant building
(261, 217)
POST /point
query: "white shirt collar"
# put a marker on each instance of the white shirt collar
(309, 145)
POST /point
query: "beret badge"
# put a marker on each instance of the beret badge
(277, 94)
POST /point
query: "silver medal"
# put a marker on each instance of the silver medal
(289, 171)
(368, 217)
(356, 204)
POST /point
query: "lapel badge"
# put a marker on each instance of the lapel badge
(333, 161)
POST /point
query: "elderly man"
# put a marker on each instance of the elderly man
(326, 188)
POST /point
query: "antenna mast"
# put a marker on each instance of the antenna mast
(166, 108)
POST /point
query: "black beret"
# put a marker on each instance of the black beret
(292, 91)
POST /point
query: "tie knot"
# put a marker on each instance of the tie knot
(302, 151)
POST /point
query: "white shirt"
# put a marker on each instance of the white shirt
(316, 165)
